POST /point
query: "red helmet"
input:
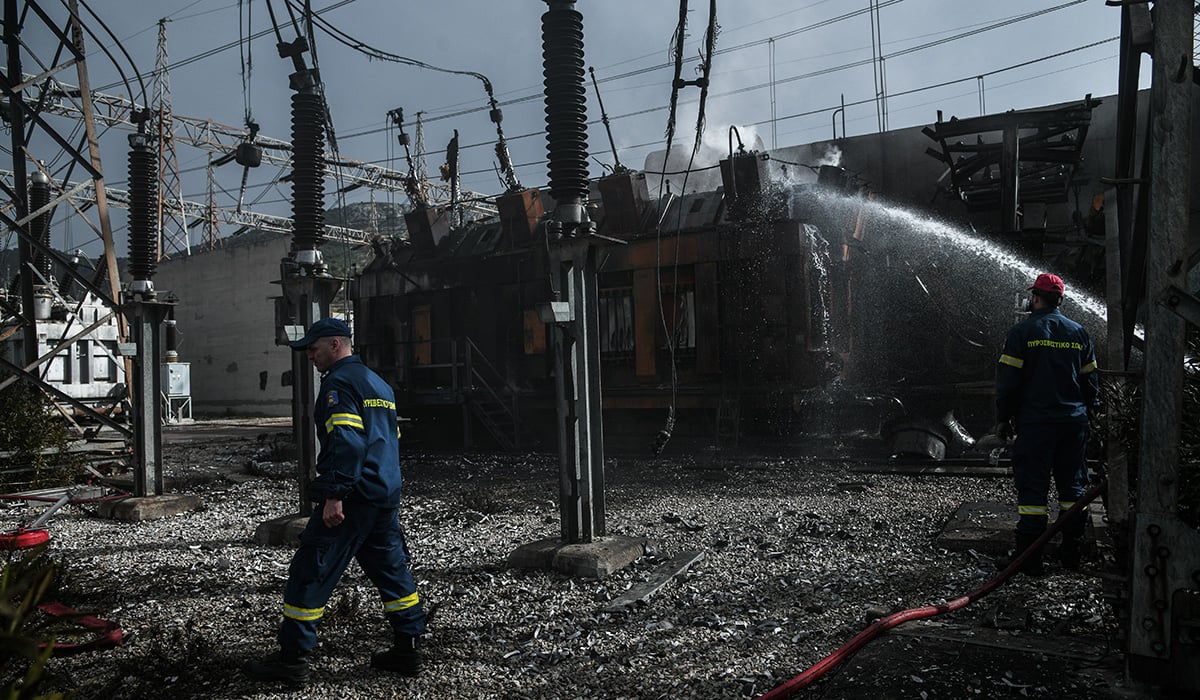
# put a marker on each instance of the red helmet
(1047, 282)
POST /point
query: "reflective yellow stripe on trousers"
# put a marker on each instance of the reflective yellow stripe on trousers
(391, 606)
(302, 614)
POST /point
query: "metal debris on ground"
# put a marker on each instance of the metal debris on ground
(792, 561)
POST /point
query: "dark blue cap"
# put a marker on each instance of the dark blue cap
(325, 328)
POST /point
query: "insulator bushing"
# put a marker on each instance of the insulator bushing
(566, 102)
(308, 171)
(143, 208)
(39, 226)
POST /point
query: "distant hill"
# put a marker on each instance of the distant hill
(387, 219)
(343, 260)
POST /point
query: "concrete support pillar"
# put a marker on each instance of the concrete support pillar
(576, 346)
(307, 300)
(145, 389)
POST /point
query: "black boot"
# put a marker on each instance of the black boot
(1033, 563)
(288, 667)
(1070, 554)
(402, 658)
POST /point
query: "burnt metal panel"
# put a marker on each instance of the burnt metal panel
(520, 213)
(708, 338)
(645, 324)
(427, 228)
(625, 196)
(745, 177)
(475, 241)
(535, 332)
(692, 211)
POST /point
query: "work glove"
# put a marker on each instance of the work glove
(1004, 430)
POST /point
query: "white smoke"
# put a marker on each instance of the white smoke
(704, 176)
(833, 156)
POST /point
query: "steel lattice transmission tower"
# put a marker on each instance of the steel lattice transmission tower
(172, 226)
(420, 171)
(212, 231)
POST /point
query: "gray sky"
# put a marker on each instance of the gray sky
(631, 38)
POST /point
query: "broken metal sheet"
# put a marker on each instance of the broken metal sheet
(662, 576)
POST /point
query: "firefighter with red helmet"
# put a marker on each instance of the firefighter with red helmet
(1045, 386)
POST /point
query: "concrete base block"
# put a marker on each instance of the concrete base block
(140, 508)
(595, 559)
(280, 531)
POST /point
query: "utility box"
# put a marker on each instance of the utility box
(177, 378)
(177, 391)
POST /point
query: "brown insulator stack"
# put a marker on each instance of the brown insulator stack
(308, 170)
(143, 212)
(39, 226)
(566, 111)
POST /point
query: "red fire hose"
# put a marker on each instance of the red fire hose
(886, 623)
(33, 534)
(108, 634)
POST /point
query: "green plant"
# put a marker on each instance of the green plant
(24, 637)
(32, 438)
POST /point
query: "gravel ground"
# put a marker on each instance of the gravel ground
(800, 554)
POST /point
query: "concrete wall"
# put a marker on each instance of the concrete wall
(226, 322)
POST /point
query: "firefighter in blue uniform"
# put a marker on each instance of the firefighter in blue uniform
(357, 489)
(1045, 386)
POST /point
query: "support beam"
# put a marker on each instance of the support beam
(145, 320)
(1166, 551)
(306, 299)
(577, 374)
(1010, 181)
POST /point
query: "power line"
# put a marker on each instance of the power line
(536, 96)
(224, 47)
(812, 74)
(650, 110)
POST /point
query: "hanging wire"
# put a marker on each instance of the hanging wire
(274, 24)
(509, 177)
(310, 33)
(103, 47)
(705, 68)
(244, 52)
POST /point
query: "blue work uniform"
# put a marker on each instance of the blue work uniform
(1047, 382)
(358, 463)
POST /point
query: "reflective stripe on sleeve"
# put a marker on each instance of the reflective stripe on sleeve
(1012, 361)
(1031, 510)
(1088, 368)
(391, 606)
(351, 420)
(302, 614)
(1067, 505)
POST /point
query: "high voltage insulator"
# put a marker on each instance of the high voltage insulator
(143, 210)
(39, 227)
(308, 166)
(566, 101)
